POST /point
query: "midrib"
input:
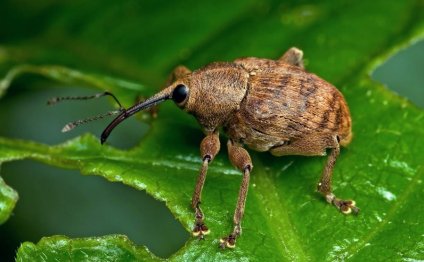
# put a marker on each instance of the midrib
(279, 223)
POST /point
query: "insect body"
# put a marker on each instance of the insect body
(267, 105)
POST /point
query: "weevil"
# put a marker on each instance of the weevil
(267, 105)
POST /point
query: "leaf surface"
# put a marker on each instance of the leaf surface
(285, 219)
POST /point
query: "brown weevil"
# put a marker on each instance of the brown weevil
(267, 105)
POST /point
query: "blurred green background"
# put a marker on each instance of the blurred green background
(76, 205)
(403, 73)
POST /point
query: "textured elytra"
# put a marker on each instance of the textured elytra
(288, 110)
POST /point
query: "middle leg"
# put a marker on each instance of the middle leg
(240, 158)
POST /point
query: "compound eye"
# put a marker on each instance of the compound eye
(180, 93)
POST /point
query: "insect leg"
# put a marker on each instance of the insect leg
(324, 185)
(240, 158)
(178, 72)
(293, 56)
(209, 148)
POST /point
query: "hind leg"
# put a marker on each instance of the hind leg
(324, 185)
(311, 145)
(315, 146)
(293, 56)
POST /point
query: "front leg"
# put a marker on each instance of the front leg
(240, 158)
(177, 73)
(208, 149)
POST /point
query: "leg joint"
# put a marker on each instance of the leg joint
(248, 168)
(207, 158)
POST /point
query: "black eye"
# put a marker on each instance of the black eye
(180, 93)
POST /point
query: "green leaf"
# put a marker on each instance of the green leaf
(61, 248)
(285, 219)
(8, 198)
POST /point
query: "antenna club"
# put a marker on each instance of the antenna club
(52, 101)
(68, 127)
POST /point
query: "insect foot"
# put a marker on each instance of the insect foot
(200, 230)
(345, 206)
(230, 240)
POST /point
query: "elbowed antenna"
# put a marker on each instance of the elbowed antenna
(156, 99)
(69, 126)
(72, 125)
(57, 99)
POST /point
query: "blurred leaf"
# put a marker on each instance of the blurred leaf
(58, 248)
(8, 198)
(285, 220)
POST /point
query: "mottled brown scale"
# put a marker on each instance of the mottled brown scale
(286, 104)
(267, 105)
